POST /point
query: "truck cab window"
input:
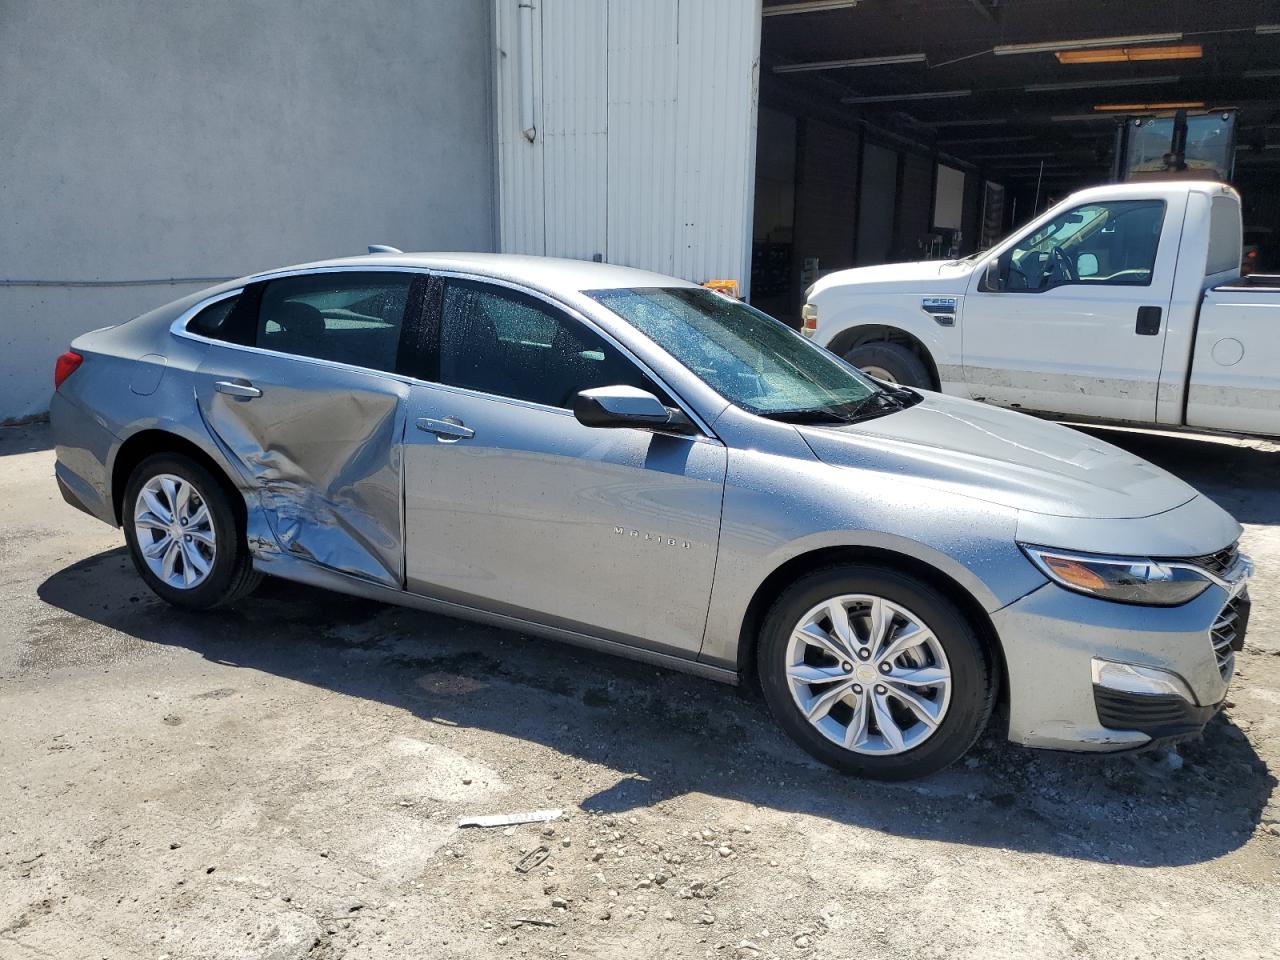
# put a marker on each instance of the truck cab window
(1111, 243)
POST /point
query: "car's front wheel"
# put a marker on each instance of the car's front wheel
(875, 672)
(183, 534)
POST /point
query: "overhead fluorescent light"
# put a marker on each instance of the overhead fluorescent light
(1189, 51)
(1053, 46)
(1260, 74)
(991, 122)
(924, 95)
(1265, 28)
(1026, 136)
(858, 62)
(1088, 84)
(811, 6)
(1015, 156)
(1080, 117)
(1035, 164)
(1142, 107)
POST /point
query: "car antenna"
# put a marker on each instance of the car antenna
(383, 248)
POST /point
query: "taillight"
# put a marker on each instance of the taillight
(66, 365)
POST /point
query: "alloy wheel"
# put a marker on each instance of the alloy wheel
(174, 530)
(868, 674)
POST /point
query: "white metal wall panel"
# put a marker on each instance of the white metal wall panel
(520, 204)
(574, 128)
(643, 41)
(645, 151)
(718, 69)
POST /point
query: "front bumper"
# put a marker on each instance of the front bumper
(1052, 636)
(1161, 717)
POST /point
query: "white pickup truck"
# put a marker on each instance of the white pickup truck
(1122, 304)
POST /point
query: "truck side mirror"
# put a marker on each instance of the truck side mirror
(991, 277)
(1086, 265)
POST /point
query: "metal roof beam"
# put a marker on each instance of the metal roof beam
(989, 11)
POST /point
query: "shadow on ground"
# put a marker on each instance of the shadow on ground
(667, 734)
(25, 438)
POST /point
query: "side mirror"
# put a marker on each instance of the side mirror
(991, 277)
(623, 406)
(1086, 265)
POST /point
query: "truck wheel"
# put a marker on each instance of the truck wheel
(874, 672)
(891, 362)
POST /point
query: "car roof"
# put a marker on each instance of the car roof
(546, 273)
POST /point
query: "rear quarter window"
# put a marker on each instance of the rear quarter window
(212, 321)
(1225, 233)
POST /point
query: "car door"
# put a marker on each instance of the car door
(1071, 319)
(299, 387)
(513, 506)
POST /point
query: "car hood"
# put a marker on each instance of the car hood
(939, 275)
(1002, 457)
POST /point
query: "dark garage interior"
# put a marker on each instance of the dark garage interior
(895, 130)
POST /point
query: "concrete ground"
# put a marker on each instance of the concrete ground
(283, 780)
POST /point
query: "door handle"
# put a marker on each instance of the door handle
(450, 429)
(1148, 321)
(240, 389)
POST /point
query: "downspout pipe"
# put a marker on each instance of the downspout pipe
(524, 14)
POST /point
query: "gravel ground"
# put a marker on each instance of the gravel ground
(283, 780)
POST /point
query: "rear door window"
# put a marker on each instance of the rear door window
(350, 317)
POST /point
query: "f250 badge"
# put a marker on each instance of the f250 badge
(657, 539)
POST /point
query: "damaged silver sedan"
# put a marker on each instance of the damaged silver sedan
(636, 464)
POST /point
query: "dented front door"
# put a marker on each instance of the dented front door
(319, 443)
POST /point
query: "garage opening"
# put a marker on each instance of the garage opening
(894, 130)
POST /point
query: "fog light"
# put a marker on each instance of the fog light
(1131, 678)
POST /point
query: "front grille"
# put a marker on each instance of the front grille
(1227, 633)
(1218, 562)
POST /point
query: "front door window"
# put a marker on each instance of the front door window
(1096, 244)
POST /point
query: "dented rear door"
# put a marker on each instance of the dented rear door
(312, 422)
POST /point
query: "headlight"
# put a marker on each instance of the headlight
(1123, 579)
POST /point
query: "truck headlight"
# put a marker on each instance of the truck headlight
(1122, 579)
(808, 319)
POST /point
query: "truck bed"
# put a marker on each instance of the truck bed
(1234, 381)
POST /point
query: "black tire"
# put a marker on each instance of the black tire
(973, 672)
(232, 575)
(902, 364)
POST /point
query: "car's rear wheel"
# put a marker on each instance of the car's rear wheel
(890, 362)
(183, 534)
(875, 672)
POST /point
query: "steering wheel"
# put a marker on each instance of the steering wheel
(1063, 263)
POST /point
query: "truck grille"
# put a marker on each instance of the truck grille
(1227, 633)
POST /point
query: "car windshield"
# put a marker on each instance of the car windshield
(746, 356)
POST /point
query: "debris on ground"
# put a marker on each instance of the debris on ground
(510, 819)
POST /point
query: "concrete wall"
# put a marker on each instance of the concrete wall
(150, 140)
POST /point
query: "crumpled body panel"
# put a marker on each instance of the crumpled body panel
(322, 451)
